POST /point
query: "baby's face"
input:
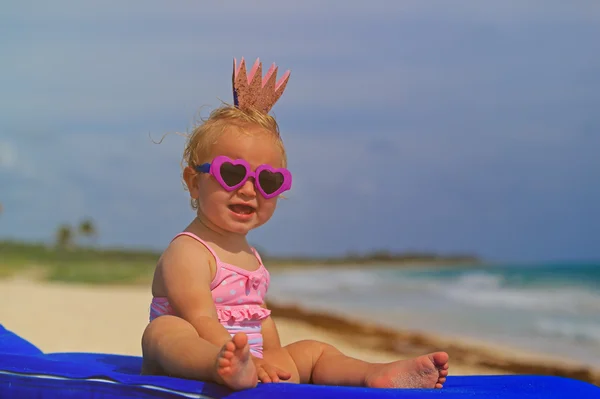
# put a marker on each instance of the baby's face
(244, 209)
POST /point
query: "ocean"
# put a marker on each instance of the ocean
(550, 308)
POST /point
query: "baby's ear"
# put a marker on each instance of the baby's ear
(190, 176)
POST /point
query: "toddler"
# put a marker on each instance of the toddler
(208, 319)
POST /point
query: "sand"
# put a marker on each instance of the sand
(59, 317)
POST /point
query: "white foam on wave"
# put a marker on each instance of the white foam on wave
(486, 290)
(585, 332)
(480, 280)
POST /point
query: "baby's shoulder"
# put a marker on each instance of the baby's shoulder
(184, 252)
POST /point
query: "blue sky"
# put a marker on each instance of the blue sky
(460, 126)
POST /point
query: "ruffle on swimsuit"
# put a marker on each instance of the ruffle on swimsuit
(239, 313)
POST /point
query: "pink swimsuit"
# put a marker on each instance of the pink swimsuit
(237, 295)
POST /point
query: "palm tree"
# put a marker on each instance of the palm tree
(88, 229)
(64, 236)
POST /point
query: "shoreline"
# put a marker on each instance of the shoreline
(414, 343)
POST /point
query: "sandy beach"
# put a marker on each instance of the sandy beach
(60, 317)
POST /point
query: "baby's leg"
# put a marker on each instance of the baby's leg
(171, 346)
(322, 364)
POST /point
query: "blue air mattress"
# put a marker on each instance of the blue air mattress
(27, 372)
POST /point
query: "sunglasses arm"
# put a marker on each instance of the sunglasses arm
(204, 168)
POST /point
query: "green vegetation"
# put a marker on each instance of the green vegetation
(68, 262)
(75, 264)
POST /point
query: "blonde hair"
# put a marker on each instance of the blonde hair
(199, 144)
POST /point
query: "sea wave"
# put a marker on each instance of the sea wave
(477, 288)
(583, 332)
(487, 290)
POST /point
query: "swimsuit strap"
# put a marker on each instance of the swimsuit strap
(260, 262)
(195, 237)
(219, 263)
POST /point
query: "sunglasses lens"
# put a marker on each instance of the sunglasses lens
(232, 174)
(270, 182)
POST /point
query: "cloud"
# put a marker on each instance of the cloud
(158, 51)
(8, 156)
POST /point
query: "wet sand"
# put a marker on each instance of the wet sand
(60, 317)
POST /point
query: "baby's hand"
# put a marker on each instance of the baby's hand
(268, 373)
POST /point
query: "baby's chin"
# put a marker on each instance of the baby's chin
(225, 220)
(245, 228)
(238, 227)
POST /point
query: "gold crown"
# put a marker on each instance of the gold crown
(252, 91)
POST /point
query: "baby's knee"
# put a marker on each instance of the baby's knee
(163, 327)
(151, 334)
(305, 355)
(311, 346)
(308, 350)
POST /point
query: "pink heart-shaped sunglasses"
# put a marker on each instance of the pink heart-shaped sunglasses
(232, 174)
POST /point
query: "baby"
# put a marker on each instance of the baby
(208, 319)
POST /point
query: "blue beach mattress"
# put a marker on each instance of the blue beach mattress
(27, 372)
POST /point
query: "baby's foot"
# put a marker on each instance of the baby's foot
(235, 369)
(427, 371)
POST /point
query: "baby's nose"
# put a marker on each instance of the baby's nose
(248, 188)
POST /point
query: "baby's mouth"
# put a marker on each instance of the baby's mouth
(242, 209)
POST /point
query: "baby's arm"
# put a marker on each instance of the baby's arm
(186, 276)
(270, 334)
(271, 341)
